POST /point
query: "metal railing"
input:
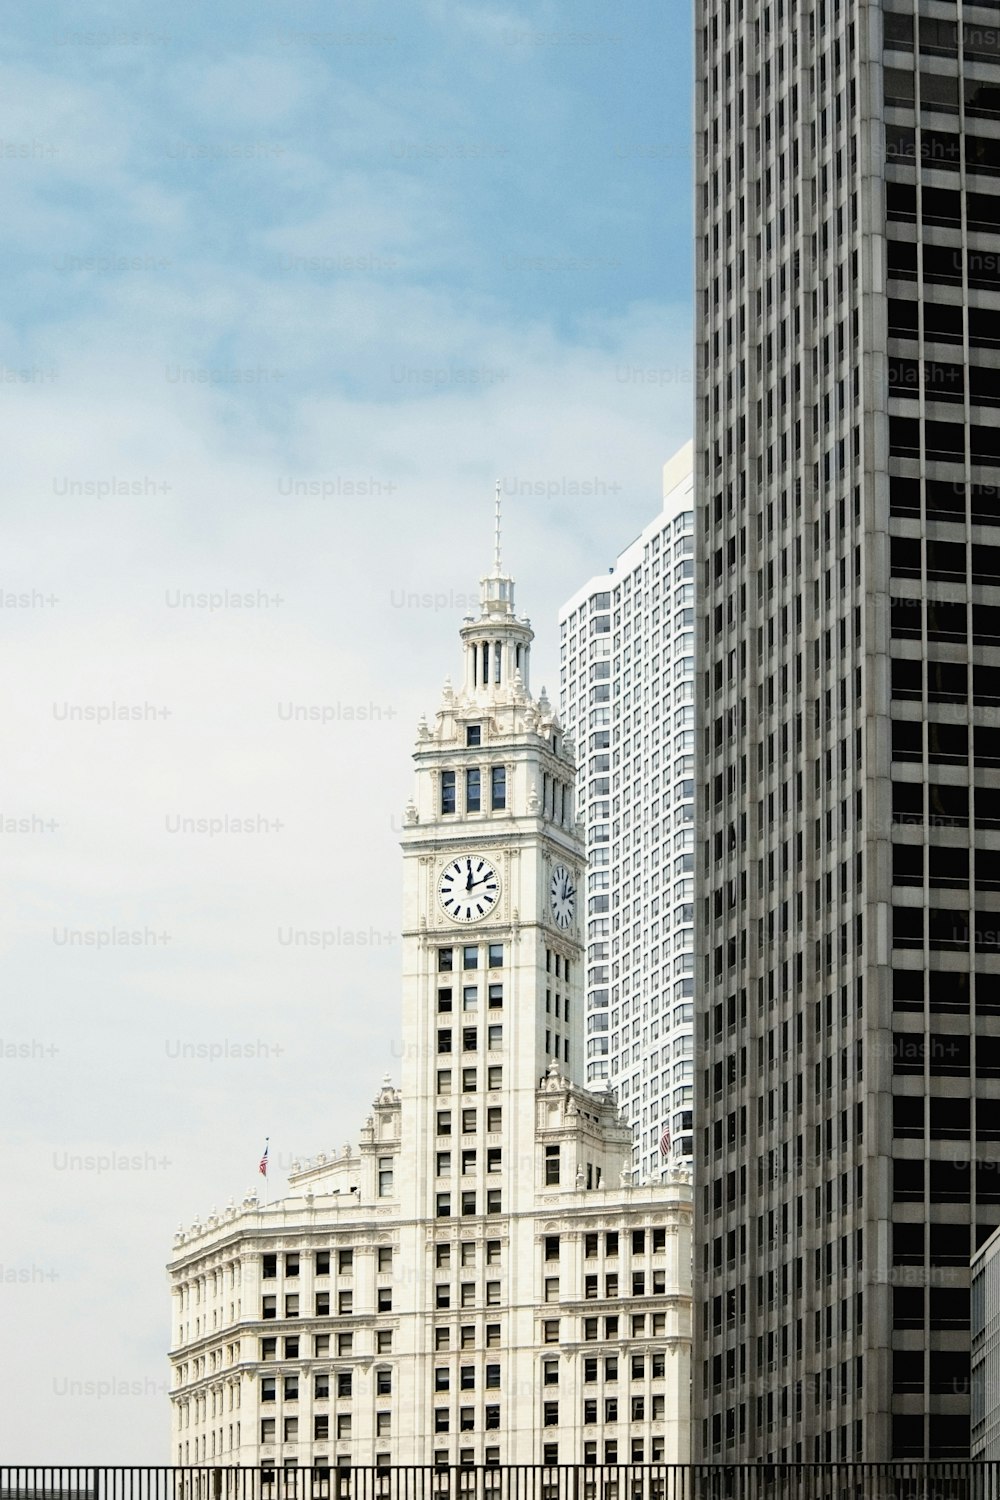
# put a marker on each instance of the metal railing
(957, 1480)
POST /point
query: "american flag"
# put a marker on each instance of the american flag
(263, 1161)
(665, 1143)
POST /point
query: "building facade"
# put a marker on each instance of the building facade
(985, 1320)
(627, 697)
(479, 1282)
(847, 473)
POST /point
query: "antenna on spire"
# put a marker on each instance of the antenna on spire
(496, 545)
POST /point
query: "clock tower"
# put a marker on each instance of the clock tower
(492, 936)
(482, 1279)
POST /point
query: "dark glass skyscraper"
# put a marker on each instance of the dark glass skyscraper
(848, 535)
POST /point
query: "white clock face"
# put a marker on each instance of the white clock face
(469, 888)
(562, 894)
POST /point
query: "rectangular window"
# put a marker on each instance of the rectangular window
(345, 1345)
(473, 735)
(494, 1038)
(550, 1331)
(385, 1176)
(446, 960)
(495, 996)
(385, 1299)
(470, 957)
(292, 1305)
(498, 788)
(447, 791)
(473, 783)
(494, 1077)
(494, 1118)
(551, 1166)
(496, 956)
(322, 1262)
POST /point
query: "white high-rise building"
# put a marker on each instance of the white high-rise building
(480, 1281)
(627, 697)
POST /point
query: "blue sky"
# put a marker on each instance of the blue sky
(287, 286)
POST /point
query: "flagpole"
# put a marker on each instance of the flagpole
(263, 1166)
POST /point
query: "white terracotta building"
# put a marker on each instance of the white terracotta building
(478, 1282)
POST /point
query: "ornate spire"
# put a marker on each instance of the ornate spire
(497, 571)
(497, 643)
